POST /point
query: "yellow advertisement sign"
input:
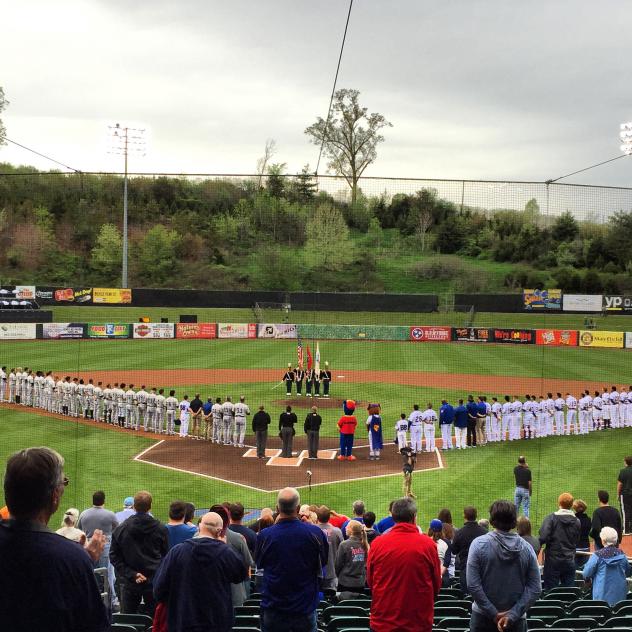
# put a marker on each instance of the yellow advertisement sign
(612, 339)
(111, 295)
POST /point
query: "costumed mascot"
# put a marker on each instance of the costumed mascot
(347, 425)
(374, 426)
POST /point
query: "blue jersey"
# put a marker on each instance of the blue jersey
(446, 414)
(374, 423)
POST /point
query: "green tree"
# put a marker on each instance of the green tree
(565, 228)
(3, 105)
(451, 235)
(591, 283)
(328, 244)
(618, 240)
(375, 234)
(157, 255)
(349, 137)
(532, 211)
(107, 255)
(276, 181)
(305, 185)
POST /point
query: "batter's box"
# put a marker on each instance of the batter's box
(252, 453)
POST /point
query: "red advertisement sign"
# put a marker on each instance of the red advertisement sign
(431, 334)
(556, 337)
(196, 330)
(514, 336)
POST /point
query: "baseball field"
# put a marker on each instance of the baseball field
(395, 374)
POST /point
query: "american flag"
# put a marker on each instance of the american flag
(299, 353)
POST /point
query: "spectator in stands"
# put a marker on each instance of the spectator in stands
(484, 524)
(472, 418)
(337, 520)
(194, 580)
(445, 515)
(502, 575)
(334, 540)
(306, 514)
(386, 523)
(178, 531)
(443, 549)
(236, 514)
(608, 568)
(585, 526)
(369, 526)
(4, 513)
(69, 529)
(358, 514)
(559, 535)
(128, 510)
(266, 513)
(47, 582)
(351, 559)
(138, 546)
(260, 423)
(265, 522)
(523, 529)
(98, 517)
(605, 516)
(463, 540)
(292, 554)
(403, 569)
(189, 514)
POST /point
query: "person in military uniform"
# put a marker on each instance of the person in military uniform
(325, 378)
(288, 378)
(299, 376)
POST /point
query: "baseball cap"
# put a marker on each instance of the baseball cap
(128, 502)
(436, 525)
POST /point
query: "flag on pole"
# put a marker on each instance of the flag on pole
(299, 353)
(309, 359)
(317, 360)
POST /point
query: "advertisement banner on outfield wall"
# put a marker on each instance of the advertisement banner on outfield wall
(471, 334)
(283, 330)
(108, 330)
(111, 295)
(236, 330)
(18, 331)
(196, 330)
(72, 295)
(628, 339)
(582, 302)
(514, 336)
(55, 331)
(535, 300)
(617, 303)
(431, 334)
(556, 337)
(611, 339)
(17, 292)
(153, 330)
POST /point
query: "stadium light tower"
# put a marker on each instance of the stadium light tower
(626, 138)
(125, 141)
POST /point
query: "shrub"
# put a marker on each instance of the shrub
(444, 268)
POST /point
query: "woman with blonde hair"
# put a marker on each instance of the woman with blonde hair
(68, 529)
(351, 559)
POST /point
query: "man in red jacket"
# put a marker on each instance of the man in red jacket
(404, 575)
(347, 425)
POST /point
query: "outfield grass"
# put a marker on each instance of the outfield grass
(97, 458)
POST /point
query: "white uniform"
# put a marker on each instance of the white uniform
(217, 412)
(495, 422)
(571, 414)
(429, 420)
(12, 384)
(161, 412)
(583, 405)
(150, 413)
(401, 428)
(227, 421)
(131, 416)
(75, 399)
(121, 407)
(606, 408)
(505, 420)
(626, 401)
(38, 385)
(589, 416)
(106, 397)
(49, 388)
(623, 408)
(614, 409)
(171, 406)
(97, 399)
(30, 384)
(141, 408)
(528, 418)
(514, 426)
(489, 431)
(415, 424)
(81, 399)
(597, 413)
(185, 413)
(88, 400)
(3, 385)
(241, 410)
(23, 377)
(559, 415)
(549, 406)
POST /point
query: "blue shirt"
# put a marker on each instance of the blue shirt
(207, 407)
(179, 533)
(482, 409)
(384, 524)
(292, 555)
(472, 410)
(460, 417)
(446, 414)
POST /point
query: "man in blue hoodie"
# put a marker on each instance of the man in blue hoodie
(502, 575)
(446, 419)
(460, 425)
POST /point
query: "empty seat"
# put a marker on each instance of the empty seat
(442, 612)
(618, 622)
(599, 613)
(342, 623)
(343, 611)
(453, 624)
(140, 622)
(623, 609)
(574, 623)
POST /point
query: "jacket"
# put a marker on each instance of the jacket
(605, 517)
(608, 569)
(260, 421)
(347, 424)
(138, 546)
(312, 422)
(560, 534)
(403, 569)
(503, 575)
(463, 539)
(351, 564)
(287, 420)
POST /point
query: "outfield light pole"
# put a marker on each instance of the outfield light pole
(126, 140)
(626, 138)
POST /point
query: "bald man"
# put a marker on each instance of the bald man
(207, 566)
(293, 555)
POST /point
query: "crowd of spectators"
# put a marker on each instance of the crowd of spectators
(192, 572)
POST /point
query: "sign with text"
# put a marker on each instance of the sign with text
(556, 337)
(514, 336)
(582, 302)
(56, 331)
(431, 334)
(18, 331)
(73, 295)
(610, 339)
(108, 330)
(196, 330)
(112, 296)
(236, 330)
(617, 303)
(153, 330)
(542, 299)
(283, 330)
(471, 334)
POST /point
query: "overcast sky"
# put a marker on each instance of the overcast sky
(485, 89)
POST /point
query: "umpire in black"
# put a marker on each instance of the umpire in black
(260, 423)
(286, 431)
(311, 426)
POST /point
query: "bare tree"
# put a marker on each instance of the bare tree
(3, 104)
(424, 223)
(349, 137)
(262, 163)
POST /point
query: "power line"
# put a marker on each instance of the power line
(605, 162)
(333, 90)
(42, 155)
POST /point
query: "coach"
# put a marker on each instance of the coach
(472, 419)
(446, 418)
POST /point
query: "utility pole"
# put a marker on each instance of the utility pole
(126, 140)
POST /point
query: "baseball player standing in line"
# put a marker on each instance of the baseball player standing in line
(488, 420)
(171, 404)
(527, 417)
(141, 407)
(589, 413)
(130, 397)
(583, 414)
(606, 407)
(614, 407)
(12, 383)
(571, 414)
(88, 402)
(623, 407)
(228, 411)
(30, 382)
(559, 414)
(218, 414)
(401, 428)
(429, 419)
(481, 428)
(505, 418)
(495, 423)
(597, 404)
(97, 398)
(207, 412)
(414, 425)
(150, 416)
(161, 411)
(628, 413)
(446, 419)
(241, 410)
(38, 386)
(3, 383)
(550, 409)
(184, 407)
(536, 409)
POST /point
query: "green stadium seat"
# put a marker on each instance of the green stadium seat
(253, 610)
(343, 611)
(564, 596)
(535, 623)
(443, 612)
(122, 627)
(545, 629)
(361, 603)
(247, 620)
(453, 624)
(455, 592)
(558, 589)
(435, 629)
(547, 613)
(252, 602)
(618, 622)
(598, 613)
(587, 602)
(552, 602)
(612, 629)
(574, 623)
(623, 609)
(141, 622)
(341, 623)
(454, 603)
(241, 628)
